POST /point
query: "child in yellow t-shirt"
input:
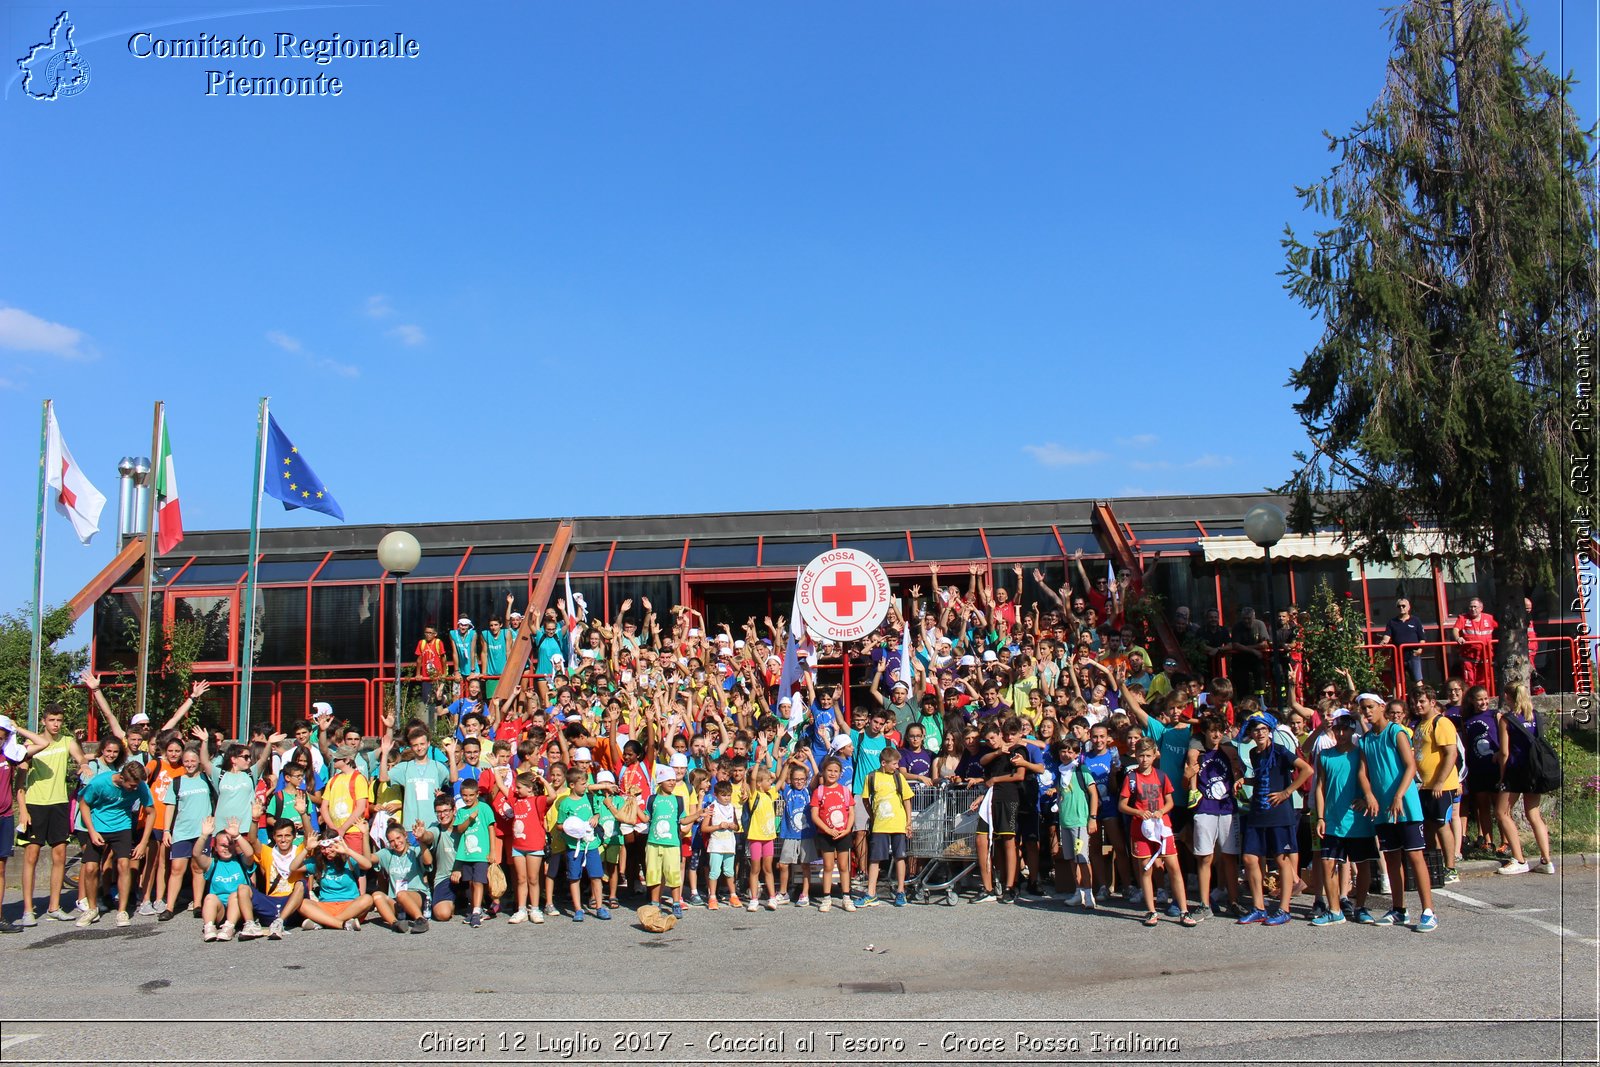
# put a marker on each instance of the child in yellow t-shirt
(888, 800)
(761, 819)
(556, 845)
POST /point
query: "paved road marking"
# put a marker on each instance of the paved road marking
(16, 1039)
(1518, 914)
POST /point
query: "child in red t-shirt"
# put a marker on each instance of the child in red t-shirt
(833, 813)
(1147, 795)
(525, 813)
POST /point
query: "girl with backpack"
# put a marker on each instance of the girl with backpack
(1528, 768)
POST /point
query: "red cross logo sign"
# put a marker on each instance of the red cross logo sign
(843, 595)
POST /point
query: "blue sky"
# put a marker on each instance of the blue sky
(609, 258)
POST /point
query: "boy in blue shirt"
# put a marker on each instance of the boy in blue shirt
(1392, 768)
(108, 804)
(1345, 808)
(797, 846)
(1271, 821)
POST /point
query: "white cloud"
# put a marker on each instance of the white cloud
(1209, 461)
(30, 333)
(7, 383)
(378, 306)
(284, 341)
(333, 366)
(1054, 455)
(1138, 440)
(408, 334)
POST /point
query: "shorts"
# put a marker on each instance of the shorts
(1181, 819)
(476, 873)
(882, 847)
(1028, 822)
(1075, 843)
(356, 840)
(157, 835)
(525, 852)
(8, 835)
(663, 865)
(612, 852)
(1439, 810)
(762, 850)
(827, 845)
(48, 825)
(444, 890)
(1354, 849)
(1271, 840)
(1143, 849)
(585, 864)
(1400, 837)
(721, 865)
(182, 850)
(266, 908)
(1002, 817)
(118, 845)
(1214, 831)
(801, 850)
(861, 814)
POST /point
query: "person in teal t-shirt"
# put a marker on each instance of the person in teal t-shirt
(420, 776)
(405, 906)
(108, 803)
(1392, 769)
(472, 824)
(1345, 809)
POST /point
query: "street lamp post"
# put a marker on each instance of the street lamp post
(399, 554)
(1265, 525)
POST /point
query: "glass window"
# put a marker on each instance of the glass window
(116, 631)
(661, 589)
(352, 568)
(424, 604)
(728, 556)
(593, 592)
(1076, 541)
(792, 553)
(659, 558)
(947, 546)
(482, 601)
(882, 549)
(1039, 545)
(344, 623)
(498, 563)
(211, 574)
(1224, 531)
(1177, 533)
(590, 560)
(280, 630)
(441, 566)
(1244, 584)
(286, 570)
(214, 616)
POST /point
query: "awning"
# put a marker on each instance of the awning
(1419, 544)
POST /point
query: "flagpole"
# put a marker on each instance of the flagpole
(248, 626)
(149, 564)
(37, 651)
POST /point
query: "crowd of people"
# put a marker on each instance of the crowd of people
(694, 766)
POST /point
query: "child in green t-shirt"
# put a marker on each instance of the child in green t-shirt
(666, 821)
(583, 848)
(1078, 802)
(473, 823)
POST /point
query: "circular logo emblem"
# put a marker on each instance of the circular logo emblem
(844, 595)
(67, 73)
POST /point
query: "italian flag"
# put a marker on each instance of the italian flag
(169, 520)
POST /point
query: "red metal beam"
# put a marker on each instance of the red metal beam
(101, 583)
(554, 561)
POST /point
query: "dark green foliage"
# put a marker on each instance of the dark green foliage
(56, 668)
(1331, 638)
(1453, 281)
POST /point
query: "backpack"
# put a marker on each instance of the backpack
(1542, 765)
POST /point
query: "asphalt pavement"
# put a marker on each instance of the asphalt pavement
(1509, 976)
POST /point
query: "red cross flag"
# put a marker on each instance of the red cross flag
(843, 595)
(78, 500)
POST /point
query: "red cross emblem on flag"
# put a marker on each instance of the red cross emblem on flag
(842, 595)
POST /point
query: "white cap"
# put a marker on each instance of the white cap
(605, 778)
(581, 754)
(899, 683)
(967, 661)
(516, 614)
(738, 644)
(679, 761)
(990, 657)
(785, 701)
(665, 775)
(1374, 697)
(321, 708)
(577, 828)
(7, 725)
(839, 741)
(465, 620)
(140, 719)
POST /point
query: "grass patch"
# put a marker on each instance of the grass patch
(1572, 812)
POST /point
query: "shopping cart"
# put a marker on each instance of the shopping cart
(943, 837)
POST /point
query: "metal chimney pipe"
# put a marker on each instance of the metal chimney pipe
(124, 497)
(142, 490)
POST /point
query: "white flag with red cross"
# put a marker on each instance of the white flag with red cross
(75, 496)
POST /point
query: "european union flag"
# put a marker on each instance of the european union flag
(291, 479)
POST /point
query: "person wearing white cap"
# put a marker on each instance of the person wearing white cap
(464, 649)
(12, 753)
(666, 821)
(898, 702)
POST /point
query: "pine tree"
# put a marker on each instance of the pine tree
(1454, 285)
(1330, 639)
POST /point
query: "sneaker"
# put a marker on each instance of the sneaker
(475, 920)
(353, 925)
(826, 905)
(1542, 867)
(1513, 867)
(1088, 900)
(602, 912)
(781, 898)
(899, 900)
(1009, 896)
(803, 901)
(400, 925)
(28, 919)
(1452, 876)
(225, 932)
(165, 916)
(307, 924)
(9, 927)
(88, 919)
(772, 905)
(518, 916)
(275, 931)
(537, 917)
(1151, 919)
(696, 900)
(1328, 918)
(58, 916)
(1275, 918)
(251, 930)
(677, 910)
(1347, 909)
(1130, 894)
(1392, 917)
(872, 901)
(734, 901)
(1198, 914)
(148, 908)
(711, 904)
(1173, 911)
(420, 926)
(1251, 917)
(1162, 897)
(1428, 923)
(81, 905)
(849, 905)
(1363, 917)
(551, 910)
(986, 897)
(755, 905)
(210, 933)
(123, 919)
